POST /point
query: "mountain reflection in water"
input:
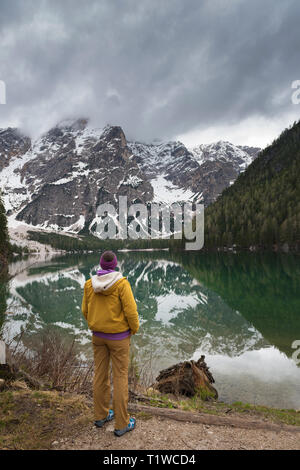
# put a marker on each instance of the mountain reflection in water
(241, 310)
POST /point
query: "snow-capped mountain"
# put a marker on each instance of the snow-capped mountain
(58, 180)
(239, 156)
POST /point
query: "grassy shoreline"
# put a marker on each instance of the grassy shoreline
(41, 405)
(39, 419)
(276, 415)
(83, 243)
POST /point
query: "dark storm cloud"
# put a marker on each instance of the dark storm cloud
(157, 68)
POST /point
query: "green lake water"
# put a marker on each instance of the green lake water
(241, 310)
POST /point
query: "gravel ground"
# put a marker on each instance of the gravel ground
(165, 434)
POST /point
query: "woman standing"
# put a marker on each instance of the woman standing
(111, 312)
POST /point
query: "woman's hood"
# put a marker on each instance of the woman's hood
(101, 284)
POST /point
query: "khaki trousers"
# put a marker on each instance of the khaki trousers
(118, 352)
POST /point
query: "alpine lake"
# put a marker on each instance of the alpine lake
(241, 310)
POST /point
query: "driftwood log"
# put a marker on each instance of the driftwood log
(213, 420)
(187, 378)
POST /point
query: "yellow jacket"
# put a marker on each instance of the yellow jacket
(108, 304)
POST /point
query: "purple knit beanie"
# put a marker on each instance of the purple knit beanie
(108, 264)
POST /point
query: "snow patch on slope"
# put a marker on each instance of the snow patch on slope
(167, 192)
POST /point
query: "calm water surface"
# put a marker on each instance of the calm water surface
(241, 310)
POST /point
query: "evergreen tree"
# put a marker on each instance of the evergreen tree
(4, 240)
(262, 207)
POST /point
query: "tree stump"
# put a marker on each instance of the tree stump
(187, 378)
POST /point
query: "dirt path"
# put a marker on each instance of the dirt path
(32, 419)
(158, 433)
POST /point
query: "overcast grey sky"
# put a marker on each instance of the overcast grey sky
(191, 69)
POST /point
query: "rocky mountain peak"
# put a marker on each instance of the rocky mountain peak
(12, 144)
(58, 180)
(223, 151)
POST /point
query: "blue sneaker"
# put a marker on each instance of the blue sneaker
(99, 423)
(130, 426)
